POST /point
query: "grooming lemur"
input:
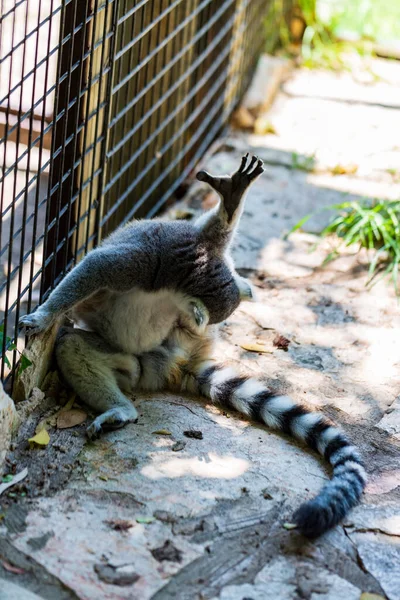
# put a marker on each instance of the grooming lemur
(144, 304)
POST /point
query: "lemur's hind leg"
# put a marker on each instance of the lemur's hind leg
(97, 373)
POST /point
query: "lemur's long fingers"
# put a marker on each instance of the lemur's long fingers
(258, 169)
(243, 163)
(204, 176)
(254, 159)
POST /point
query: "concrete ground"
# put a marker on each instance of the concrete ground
(147, 512)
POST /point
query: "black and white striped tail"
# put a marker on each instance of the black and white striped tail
(252, 398)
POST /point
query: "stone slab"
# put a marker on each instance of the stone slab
(270, 72)
(12, 591)
(391, 420)
(361, 87)
(381, 557)
(8, 418)
(40, 352)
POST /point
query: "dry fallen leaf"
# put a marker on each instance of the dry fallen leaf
(344, 169)
(71, 418)
(281, 342)
(120, 524)
(123, 575)
(167, 552)
(15, 479)
(40, 439)
(162, 432)
(178, 446)
(69, 404)
(46, 423)
(256, 347)
(263, 126)
(242, 118)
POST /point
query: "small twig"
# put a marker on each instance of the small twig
(191, 410)
(16, 479)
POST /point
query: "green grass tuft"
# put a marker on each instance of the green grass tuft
(303, 163)
(371, 225)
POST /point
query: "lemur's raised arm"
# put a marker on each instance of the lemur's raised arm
(232, 188)
(153, 255)
(220, 222)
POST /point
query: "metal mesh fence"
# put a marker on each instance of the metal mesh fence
(105, 108)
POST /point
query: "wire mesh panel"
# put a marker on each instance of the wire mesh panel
(170, 95)
(29, 39)
(106, 107)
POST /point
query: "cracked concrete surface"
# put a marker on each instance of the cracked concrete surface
(143, 515)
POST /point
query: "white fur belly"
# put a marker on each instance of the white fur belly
(136, 321)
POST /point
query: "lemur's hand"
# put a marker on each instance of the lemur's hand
(36, 322)
(196, 314)
(200, 313)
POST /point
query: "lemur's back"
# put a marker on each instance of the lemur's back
(176, 256)
(175, 263)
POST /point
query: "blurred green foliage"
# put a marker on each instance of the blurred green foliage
(371, 225)
(331, 29)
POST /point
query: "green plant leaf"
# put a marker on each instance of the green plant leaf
(145, 520)
(300, 223)
(373, 225)
(330, 257)
(24, 364)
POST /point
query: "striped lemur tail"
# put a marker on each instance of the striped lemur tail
(252, 398)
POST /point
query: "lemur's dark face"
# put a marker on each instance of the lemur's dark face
(221, 294)
(214, 283)
(196, 266)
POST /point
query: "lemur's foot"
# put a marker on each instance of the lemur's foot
(127, 371)
(200, 313)
(36, 322)
(232, 187)
(242, 178)
(194, 314)
(112, 419)
(247, 170)
(246, 289)
(197, 315)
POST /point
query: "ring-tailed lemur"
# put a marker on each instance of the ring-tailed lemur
(144, 304)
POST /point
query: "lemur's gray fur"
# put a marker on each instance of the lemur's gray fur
(144, 304)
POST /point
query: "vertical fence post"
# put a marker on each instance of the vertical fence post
(82, 104)
(57, 250)
(92, 168)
